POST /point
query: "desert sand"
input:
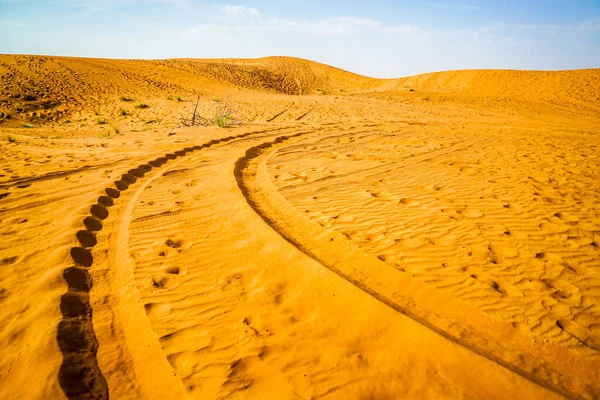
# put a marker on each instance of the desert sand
(434, 236)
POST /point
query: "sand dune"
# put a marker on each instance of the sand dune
(434, 236)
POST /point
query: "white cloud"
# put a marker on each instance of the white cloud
(407, 30)
(239, 10)
(357, 21)
(344, 24)
(330, 26)
(350, 25)
(590, 25)
(94, 6)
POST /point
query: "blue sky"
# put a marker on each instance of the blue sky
(381, 38)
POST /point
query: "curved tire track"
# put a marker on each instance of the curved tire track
(523, 364)
(79, 375)
(274, 117)
(308, 112)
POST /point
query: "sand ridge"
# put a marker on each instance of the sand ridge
(422, 237)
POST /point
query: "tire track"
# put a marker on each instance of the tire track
(274, 117)
(308, 112)
(79, 374)
(53, 175)
(522, 363)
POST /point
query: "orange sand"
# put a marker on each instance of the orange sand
(435, 236)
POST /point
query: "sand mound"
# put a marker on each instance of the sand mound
(563, 88)
(54, 91)
(286, 75)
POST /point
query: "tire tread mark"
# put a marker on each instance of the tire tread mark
(274, 117)
(53, 175)
(308, 112)
(541, 374)
(79, 374)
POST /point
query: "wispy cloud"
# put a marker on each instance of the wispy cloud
(238, 10)
(95, 6)
(329, 26)
(590, 25)
(345, 25)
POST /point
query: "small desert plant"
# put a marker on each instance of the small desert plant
(322, 91)
(122, 112)
(225, 115)
(195, 119)
(215, 99)
(101, 121)
(222, 121)
(127, 99)
(11, 139)
(170, 98)
(27, 126)
(67, 121)
(178, 98)
(142, 105)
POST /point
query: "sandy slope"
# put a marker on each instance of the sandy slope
(433, 236)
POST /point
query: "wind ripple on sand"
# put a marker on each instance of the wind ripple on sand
(511, 228)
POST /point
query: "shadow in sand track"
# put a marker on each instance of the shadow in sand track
(79, 375)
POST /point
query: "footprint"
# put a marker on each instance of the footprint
(496, 284)
(343, 217)
(233, 281)
(471, 213)
(567, 218)
(158, 310)
(503, 250)
(164, 281)
(182, 271)
(8, 260)
(564, 291)
(183, 361)
(383, 195)
(181, 244)
(410, 202)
